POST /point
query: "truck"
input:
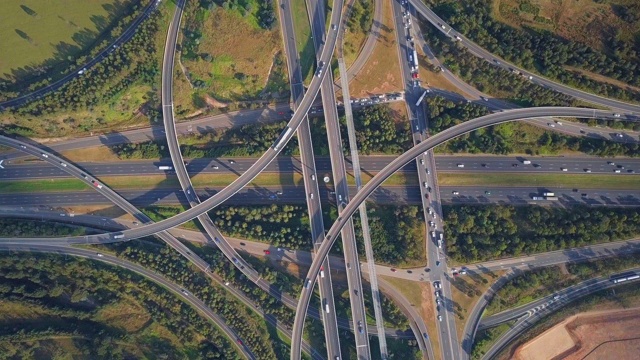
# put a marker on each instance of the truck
(165, 167)
(119, 236)
(439, 244)
(415, 59)
(537, 198)
(551, 198)
(548, 194)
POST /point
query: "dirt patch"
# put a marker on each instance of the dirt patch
(214, 103)
(604, 79)
(610, 334)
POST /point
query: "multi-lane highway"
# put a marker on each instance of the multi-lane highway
(368, 165)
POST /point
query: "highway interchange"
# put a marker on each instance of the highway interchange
(262, 164)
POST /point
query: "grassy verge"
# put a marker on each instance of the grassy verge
(485, 339)
(381, 73)
(304, 42)
(465, 292)
(618, 182)
(418, 295)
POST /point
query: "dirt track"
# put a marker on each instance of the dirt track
(613, 334)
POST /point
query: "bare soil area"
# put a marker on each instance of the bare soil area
(613, 334)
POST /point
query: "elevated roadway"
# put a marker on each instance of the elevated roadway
(309, 175)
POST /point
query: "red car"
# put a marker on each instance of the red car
(414, 75)
(239, 342)
(267, 252)
(393, 270)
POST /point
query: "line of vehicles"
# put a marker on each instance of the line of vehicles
(547, 195)
(412, 54)
(624, 277)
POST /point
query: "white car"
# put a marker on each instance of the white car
(455, 192)
(617, 115)
(617, 171)
(460, 165)
(63, 164)
(437, 284)
(45, 155)
(99, 255)
(564, 169)
(551, 125)
(311, 195)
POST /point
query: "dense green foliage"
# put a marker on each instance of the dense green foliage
(590, 269)
(249, 326)
(69, 293)
(361, 16)
(528, 286)
(397, 234)
(279, 225)
(513, 137)
(491, 79)
(478, 233)
(545, 52)
(247, 140)
(376, 132)
(23, 228)
(35, 76)
(134, 61)
(485, 338)
(265, 13)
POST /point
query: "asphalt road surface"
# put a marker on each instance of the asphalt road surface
(368, 165)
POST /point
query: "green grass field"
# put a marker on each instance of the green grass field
(35, 32)
(591, 181)
(304, 42)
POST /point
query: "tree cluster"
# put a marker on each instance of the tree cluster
(279, 225)
(361, 16)
(590, 269)
(70, 294)
(396, 233)
(24, 228)
(376, 131)
(480, 233)
(548, 53)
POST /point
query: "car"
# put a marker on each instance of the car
(63, 164)
(216, 240)
(99, 255)
(497, 61)
(631, 171)
(360, 329)
(425, 335)
(437, 284)
(348, 265)
(584, 195)
(426, 196)
(587, 170)
(267, 252)
(438, 294)
(82, 71)
(334, 27)
(559, 122)
(460, 165)
(215, 167)
(537, 166)
(239, 342)
(425, 184)
(617, 115)
(621, 167)
(280, 249)
(617, 171)
(235, 261)
(439, 317)
(564, 169)
(551, 125)
(556, 297)
(437, 263)
(184, 292)
(455, 192)
(417, 127)
(463, 271)
(45, 155)
(232, 162)
(393, 270)
(22, 146)
(421, 161)
(610, 163)
(311, 195)
(514, 165)
(135, 223)
(313, 177)
(487, 192)
(484, 165)
(427, 269)
(443, 27)
(307, 283)
(619, 135)
(428, 172)
(458, 38)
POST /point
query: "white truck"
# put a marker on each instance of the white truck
(165, 167)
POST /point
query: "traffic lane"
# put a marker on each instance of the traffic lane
(368, 164)
(399, 195)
